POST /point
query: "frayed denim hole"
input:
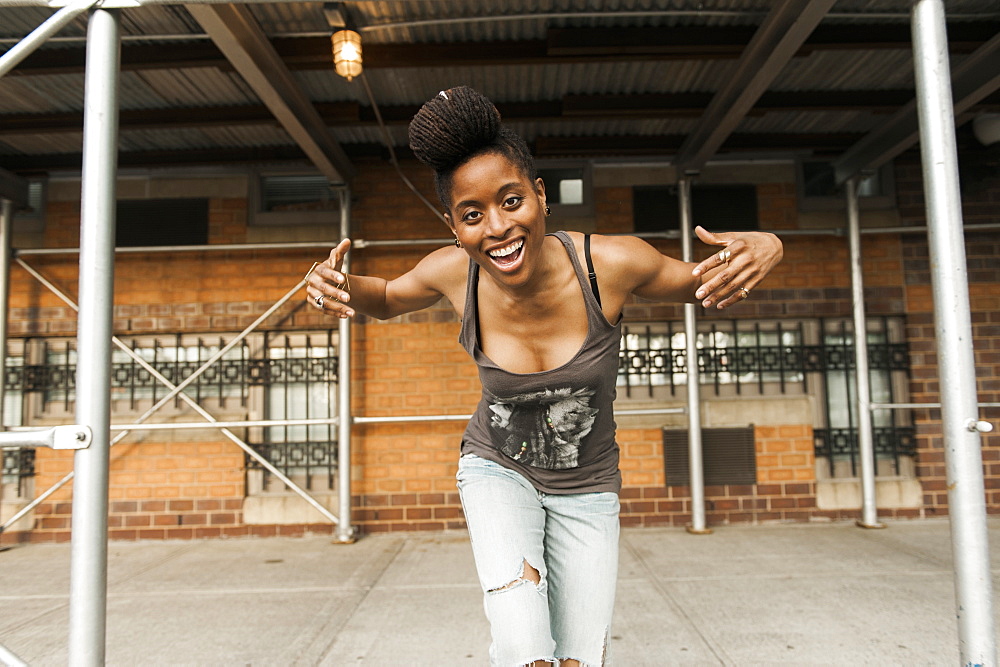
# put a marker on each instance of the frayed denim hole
(520, 579)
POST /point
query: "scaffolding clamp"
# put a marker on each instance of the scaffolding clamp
(68, 436)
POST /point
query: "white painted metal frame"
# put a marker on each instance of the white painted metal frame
(953, 331)
(862, 383)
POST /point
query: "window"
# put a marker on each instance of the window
(18, 463)
(286, 199)
(161, 222)
(734, 357)
(721, 208)
(568, 188)
(818, 190)
(32, 219)
(808, 357)
(300, 382)
(892, 430)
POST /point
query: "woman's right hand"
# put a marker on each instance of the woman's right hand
(327, 287)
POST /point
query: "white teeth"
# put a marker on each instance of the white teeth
(503, 252)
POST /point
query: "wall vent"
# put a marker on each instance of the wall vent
(728, 455)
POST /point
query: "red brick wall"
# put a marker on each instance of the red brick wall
(403, 475)
(980, 205)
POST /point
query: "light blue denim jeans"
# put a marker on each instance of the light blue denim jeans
(571, 540)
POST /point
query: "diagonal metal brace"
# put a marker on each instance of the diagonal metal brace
(68, 436)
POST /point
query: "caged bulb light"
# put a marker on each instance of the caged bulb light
(347, 53)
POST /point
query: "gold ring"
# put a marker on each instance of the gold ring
(744, 292)
(724, 255)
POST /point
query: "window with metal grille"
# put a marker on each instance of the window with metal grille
(274, 376)
(18, 463)
(814, 357)
(893, 432)
(175, 357)
(735, 356)
(300, 383)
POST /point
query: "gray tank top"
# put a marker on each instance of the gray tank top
(555, 427)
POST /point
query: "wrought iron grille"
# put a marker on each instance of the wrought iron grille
(298, 374)
(746, 355)
(283, 365)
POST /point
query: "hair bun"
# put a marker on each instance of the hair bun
(453, 125)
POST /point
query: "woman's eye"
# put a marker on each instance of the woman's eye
(512, 201)
(472, 216)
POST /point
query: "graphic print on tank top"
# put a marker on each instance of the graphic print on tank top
(543, 429)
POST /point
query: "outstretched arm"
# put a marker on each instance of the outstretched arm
(636, 267)
(344, 294)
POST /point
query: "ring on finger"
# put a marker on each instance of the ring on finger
(319, 300)
(744, 293)
(724, 255)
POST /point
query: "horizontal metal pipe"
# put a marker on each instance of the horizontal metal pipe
(166, 426)
(265, 423)
(360, 244)
(917, 406)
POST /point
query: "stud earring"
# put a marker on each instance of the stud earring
(548, 211)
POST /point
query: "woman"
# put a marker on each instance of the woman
(538, 476)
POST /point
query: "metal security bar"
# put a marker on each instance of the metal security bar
(300, 382)
(746, 355)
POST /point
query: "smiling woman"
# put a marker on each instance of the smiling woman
(538, 474)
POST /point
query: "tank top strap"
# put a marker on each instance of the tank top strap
(594, 312)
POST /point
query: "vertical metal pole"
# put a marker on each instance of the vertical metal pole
(6, 223)
(695, 464)
(862, 389)
(89, 567)
(344, 531)
(953, 329)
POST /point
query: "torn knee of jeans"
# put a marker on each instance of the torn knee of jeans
(527, 574)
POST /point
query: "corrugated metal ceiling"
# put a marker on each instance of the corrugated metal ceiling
(409, 22)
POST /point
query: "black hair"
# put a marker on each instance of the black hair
(457, 125)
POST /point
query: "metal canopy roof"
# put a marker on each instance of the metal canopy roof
(669, 79)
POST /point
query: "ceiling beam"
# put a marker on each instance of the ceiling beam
(779, 37)
(629, 145)
(577, 45)
(570, 108)
(974, 80)
(665, 145)
(239, 37)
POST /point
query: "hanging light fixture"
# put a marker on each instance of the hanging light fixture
(347, 53)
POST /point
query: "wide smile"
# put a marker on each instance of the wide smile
(508, 256)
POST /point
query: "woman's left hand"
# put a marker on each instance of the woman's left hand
(744, 259)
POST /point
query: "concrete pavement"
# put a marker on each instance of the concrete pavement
(803, 594)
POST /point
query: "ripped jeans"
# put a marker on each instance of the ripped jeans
(571, 540)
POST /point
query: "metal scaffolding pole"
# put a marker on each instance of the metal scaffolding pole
(345, 531)
(89, 566)
(6, 223)
(953, 330)
(695, 470)
(51, 26)
(862, 388)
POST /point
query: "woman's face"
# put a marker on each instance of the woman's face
(499, 216)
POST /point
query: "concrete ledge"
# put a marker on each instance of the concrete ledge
(893, 493)
(287, 509)
(9, 508)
